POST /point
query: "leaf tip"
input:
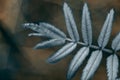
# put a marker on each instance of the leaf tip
(112, 11)
(50, 60)
(85, 5)
(30, 34)
(35, 48)
(69, 76)
(65, 5)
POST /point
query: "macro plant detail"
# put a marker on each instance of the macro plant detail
(57, 37)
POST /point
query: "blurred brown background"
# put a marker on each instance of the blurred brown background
(15, 12)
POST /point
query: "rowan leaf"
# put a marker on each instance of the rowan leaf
(70, 23)
(116, 43)
(50, 43)
(86, 26)
(77, 61)
(106, 30)
(52, 29)
(64, 51)
(112, 67)
(45, 29)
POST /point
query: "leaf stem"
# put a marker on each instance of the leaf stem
(91, 46)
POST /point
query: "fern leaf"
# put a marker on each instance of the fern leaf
(49, 43)
(112, 67)
(106, 30)
(66, 50)
(46, 29)
(77, 61)
(86, 25)
(70, 23)
(92, 65)
(116, 43)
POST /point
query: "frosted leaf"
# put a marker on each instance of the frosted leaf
(53, 29)
(50, 43)
(64, 51)
(70, 23)
(106, 30)
(116, 43)
(112, 67)
(77, 61)
(92, 65)
(86, 26)
(46, 29)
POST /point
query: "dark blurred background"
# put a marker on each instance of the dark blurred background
(18, 61)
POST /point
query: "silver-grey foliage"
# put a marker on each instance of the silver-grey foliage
(116, 43)
(86, 26)
(49, 43)
(57, 37)
(70, 23)
(112, 67)
(106, 30)
(67, 49)
(45, 29)
(77, 61)
(92, 65)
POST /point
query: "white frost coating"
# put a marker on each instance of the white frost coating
(34, 27)
(86, 25)
(77, 61)
(50, 43)
(66, 50)
(116, 43)
(36, 34)
(112, 67)
(52, 28)
(70, 23)
(106, 30)
(92, 65)
(46, 30)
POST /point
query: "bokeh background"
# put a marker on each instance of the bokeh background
(21, 62)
